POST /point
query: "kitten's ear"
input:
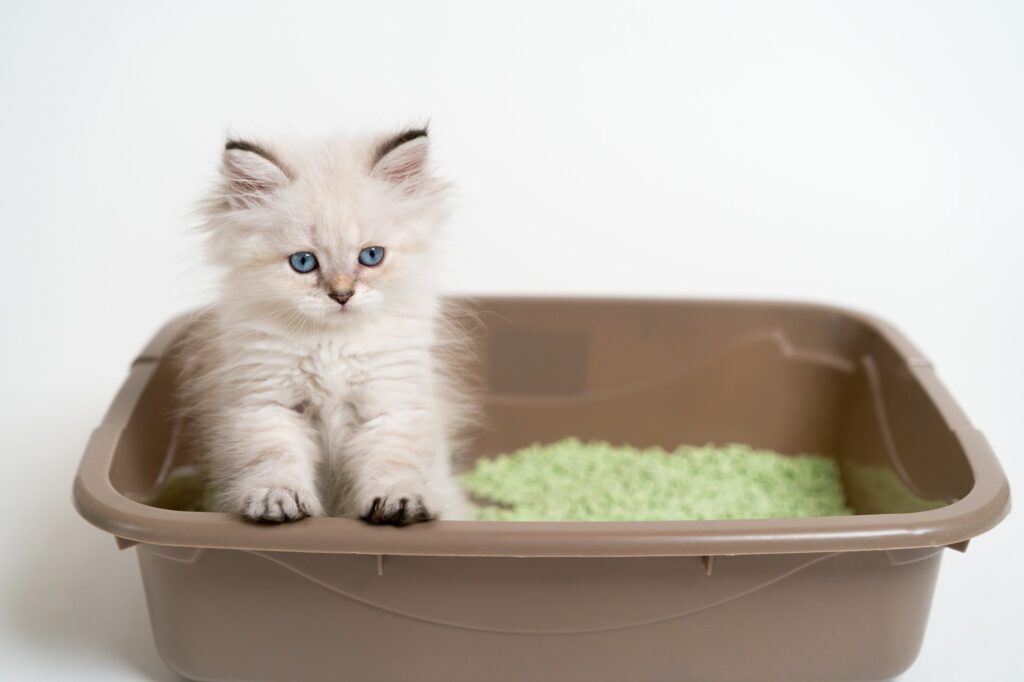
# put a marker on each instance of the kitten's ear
(252, 173)
(402, 159)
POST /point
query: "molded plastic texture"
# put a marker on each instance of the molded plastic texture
(831, 598)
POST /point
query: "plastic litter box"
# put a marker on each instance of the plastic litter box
(825, 598)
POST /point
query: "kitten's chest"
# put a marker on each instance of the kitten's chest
(327, 374)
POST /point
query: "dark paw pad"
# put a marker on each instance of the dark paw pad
(401, 512)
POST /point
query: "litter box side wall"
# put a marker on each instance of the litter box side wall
(659, 373)
(236, 615)
(906, 448)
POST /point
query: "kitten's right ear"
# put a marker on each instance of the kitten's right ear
(252, 173)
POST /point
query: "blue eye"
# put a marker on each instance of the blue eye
(371, 256)
(303, 262)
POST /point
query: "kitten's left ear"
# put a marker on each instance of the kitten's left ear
(402, 159)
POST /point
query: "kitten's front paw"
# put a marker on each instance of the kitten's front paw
(277, 504)
(397, 509)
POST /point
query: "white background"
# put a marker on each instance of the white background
(866, 154)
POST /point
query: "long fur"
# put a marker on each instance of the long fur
(302, 406)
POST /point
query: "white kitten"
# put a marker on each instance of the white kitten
(315, 381)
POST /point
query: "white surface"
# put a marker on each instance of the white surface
(863, 154)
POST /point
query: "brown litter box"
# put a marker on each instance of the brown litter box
(829, 598)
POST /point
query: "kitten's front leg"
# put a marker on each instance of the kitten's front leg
(391, 457)
(390, 485)
(263, 464)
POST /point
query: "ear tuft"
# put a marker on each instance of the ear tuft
(252, 173)
(402, 158)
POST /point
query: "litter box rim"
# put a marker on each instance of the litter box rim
(131, 522)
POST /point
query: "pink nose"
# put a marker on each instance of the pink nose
(342, 297)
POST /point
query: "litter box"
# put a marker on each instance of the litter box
(823, 598)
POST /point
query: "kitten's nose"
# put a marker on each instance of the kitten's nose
(342, 296)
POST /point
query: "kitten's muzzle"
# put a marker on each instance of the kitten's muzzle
(342, 297)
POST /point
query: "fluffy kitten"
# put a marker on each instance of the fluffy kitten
(315, 381)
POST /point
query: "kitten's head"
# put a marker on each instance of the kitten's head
(315, 234)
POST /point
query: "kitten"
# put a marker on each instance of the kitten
(315, 381)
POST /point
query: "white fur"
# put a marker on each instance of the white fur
(304, 406)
